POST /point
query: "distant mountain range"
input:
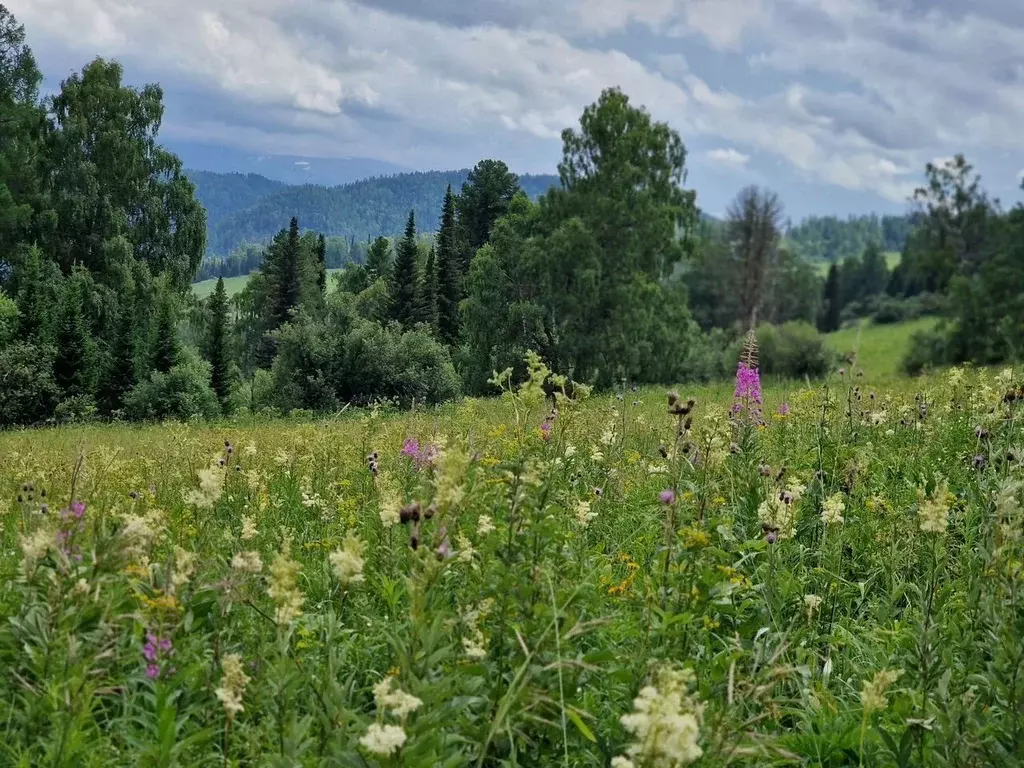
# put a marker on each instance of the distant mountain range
(251, 208)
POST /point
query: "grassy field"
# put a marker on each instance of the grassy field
(234, 285)
(639, 581)
(879, 348)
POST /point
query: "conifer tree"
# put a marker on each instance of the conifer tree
(73, 363)
(218, 339)
(119, 374)
(320, 254)
(426, 301)
(285, 275)
(378, 259)
(405, 280)
(166, 349)
(831, 317)
(449, 274)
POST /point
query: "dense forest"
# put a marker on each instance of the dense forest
(832, 239)
(611, 276)
(249, 209)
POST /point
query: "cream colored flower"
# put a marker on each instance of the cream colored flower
(232, 685)
(832, 510)
(284, 587)
(665, 722)
(812, 603)
(872, 695)
(583, 513)
(484, 525)
(347, 562)
(393, 699)
(383, 739)
(933, 510)
(247, 562)
(184, 567)
(779, 515)
(249, 531)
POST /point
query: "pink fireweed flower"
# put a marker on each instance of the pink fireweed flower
(422, 456)
(747, 394)
(784, 409)
(155, 650)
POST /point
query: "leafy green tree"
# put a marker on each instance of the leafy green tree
(405, 277)
(22, 183)
(874, 274)
(73, 364)
(110, 177)
(218, 340)
(449, 273)
(378, 260)
(426, 300)
(484, 198)
(831, 317)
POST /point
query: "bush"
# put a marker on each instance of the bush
(75, 410)
(927, 349)
(710, 356)
(28, 392)
(183, 393)
(384, 362)
(894, 310)
(794, 350)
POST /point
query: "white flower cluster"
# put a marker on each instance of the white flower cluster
(347, 562)
(665, 723)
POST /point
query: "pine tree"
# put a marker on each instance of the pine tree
(166, 349)
(831, 318)
(404, 281)
(31, 295)
(426, 300)
(72, 365)
(378, 259)
(119, 373)
(320, 255)
(286, 275)
(218, 338)
(449, 274)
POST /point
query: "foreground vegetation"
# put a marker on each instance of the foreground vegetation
(633, 582)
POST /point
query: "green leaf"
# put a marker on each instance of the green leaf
(578, 722)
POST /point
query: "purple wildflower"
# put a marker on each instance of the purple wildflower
(747, 394)
(771, 536)
(77, 508)
(668, 496)
(784, 409)
(155, 650)
(545, 430)
(410, 448)
(152, 671)
(444, 549)
(422, 456)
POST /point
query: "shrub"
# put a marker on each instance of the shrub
(182, 393)
(382, 361)
(927, 349)
(28, 392)
(794, 350)
(710, 356)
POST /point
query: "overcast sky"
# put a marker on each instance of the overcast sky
(836, 104)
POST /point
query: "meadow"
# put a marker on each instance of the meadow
(828, 574)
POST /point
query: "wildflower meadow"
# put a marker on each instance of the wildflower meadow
(806, 574)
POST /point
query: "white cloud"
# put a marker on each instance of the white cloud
(859, 95)
(728, 157)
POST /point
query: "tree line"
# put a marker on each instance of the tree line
(612, 276)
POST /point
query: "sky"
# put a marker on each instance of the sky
(835, 104)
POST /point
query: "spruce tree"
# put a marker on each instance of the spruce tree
(831, 315)
(217, 351)
(165, 349)
(378, 259)
(426, 301)
(449, 274)
(72, 365)
(320, 254)
(405, 280)
(286, 276)
(119, 373)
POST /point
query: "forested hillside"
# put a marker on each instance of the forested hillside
(832, 239)
(223, 194)
(250, 208)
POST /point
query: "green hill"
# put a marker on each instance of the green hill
(237, 284)
(251, 209)
(880, 348)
